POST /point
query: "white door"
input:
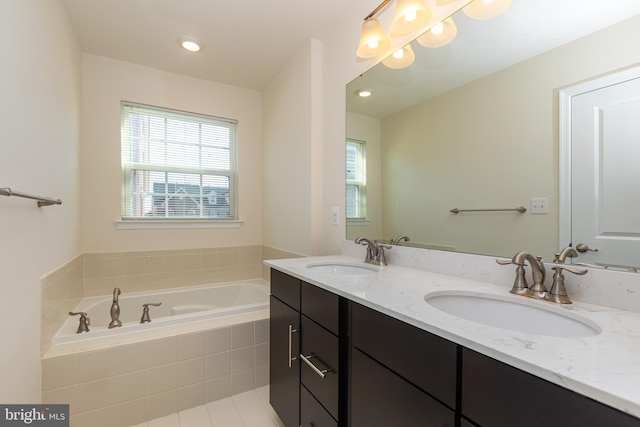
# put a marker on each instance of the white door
(605, 171)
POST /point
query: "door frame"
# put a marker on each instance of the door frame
(564, 156)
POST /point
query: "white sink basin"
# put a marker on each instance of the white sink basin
(342, 268)
(509, 312)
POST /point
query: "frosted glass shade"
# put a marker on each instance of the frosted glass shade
(401, 58)
(439, 35)
(373, 41)
(485, 9)
(410, 16)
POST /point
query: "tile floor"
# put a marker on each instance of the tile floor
(248, 409)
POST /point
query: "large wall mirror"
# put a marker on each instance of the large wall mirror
(474, 125)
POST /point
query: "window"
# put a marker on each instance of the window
(356, 180)
(177, 165)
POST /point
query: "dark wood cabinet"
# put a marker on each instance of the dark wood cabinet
(317, 376)
(495, 394)
(284, 363)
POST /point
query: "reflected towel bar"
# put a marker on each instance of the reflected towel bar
(42, 201)
(520, 209)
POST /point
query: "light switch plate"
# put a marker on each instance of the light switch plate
(335, 215)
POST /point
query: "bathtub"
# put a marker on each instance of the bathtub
(178, 307)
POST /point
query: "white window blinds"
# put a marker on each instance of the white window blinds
(177, 165)
(356, 180)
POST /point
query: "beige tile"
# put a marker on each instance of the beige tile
(98, 418)
(130, 413)
(242, 335)
(162, 404)
(170, 420)
(242, 381)
(130, 358)
(155, 263)
(242, 359)
(261, 331)
(65, 395)
(262, 376)
(217, 389)
(218, 365)
(191, 372)
(163, 378)
(218, 340)
(162, 351)
(195, 417)
(261, 355)
(130, 386)
(59, 372)
(111, 266)
(95, 395)
(95, 365)
(191, 396)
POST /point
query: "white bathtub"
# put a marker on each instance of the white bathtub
(179, 306)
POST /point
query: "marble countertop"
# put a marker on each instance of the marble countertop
(604, 367)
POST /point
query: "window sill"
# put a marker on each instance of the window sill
(144, 224)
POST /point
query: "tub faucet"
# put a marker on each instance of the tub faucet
(115, 310)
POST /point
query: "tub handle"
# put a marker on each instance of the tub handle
(84, 322)
(290, 357)
(145, 311)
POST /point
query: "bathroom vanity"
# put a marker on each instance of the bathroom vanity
(391, 359)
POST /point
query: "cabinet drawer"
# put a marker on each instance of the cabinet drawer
(322, 346)
(428, 361)
(321, 306)
(495, 394)
(381, 398)
(312, 414)
(286, 288)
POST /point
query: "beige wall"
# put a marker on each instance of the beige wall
(491, 144)
(106, 82)
(40, 135)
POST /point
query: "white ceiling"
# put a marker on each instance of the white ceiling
(246, 41)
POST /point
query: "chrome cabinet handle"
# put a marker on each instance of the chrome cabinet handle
(290, 357)
(312, 366)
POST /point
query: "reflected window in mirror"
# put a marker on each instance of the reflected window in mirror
(356, 208)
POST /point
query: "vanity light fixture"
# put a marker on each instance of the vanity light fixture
(410, 16)
(373, 41)
(485, 9)
(439, 35)
(364, 93)
(401, 58)
(191, 44)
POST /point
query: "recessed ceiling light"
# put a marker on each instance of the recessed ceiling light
(363, 93)
(191, 44)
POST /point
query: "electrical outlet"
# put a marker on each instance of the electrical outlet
(335, 215)
(539, 205)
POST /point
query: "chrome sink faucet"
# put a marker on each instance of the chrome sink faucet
(520, 286)
(115, 310)
(375, 251)
(558, 292)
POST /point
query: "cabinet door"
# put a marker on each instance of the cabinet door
(498, 395)
(286, 288)
(284, 364)
(381, 398)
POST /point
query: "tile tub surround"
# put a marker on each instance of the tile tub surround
(95, 274)
(133, 383)
(603, 367)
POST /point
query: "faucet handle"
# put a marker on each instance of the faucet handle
(84, 321)
(504, 261)
(382, 259)
(145, 311)
(558, 292)
(520, 286)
